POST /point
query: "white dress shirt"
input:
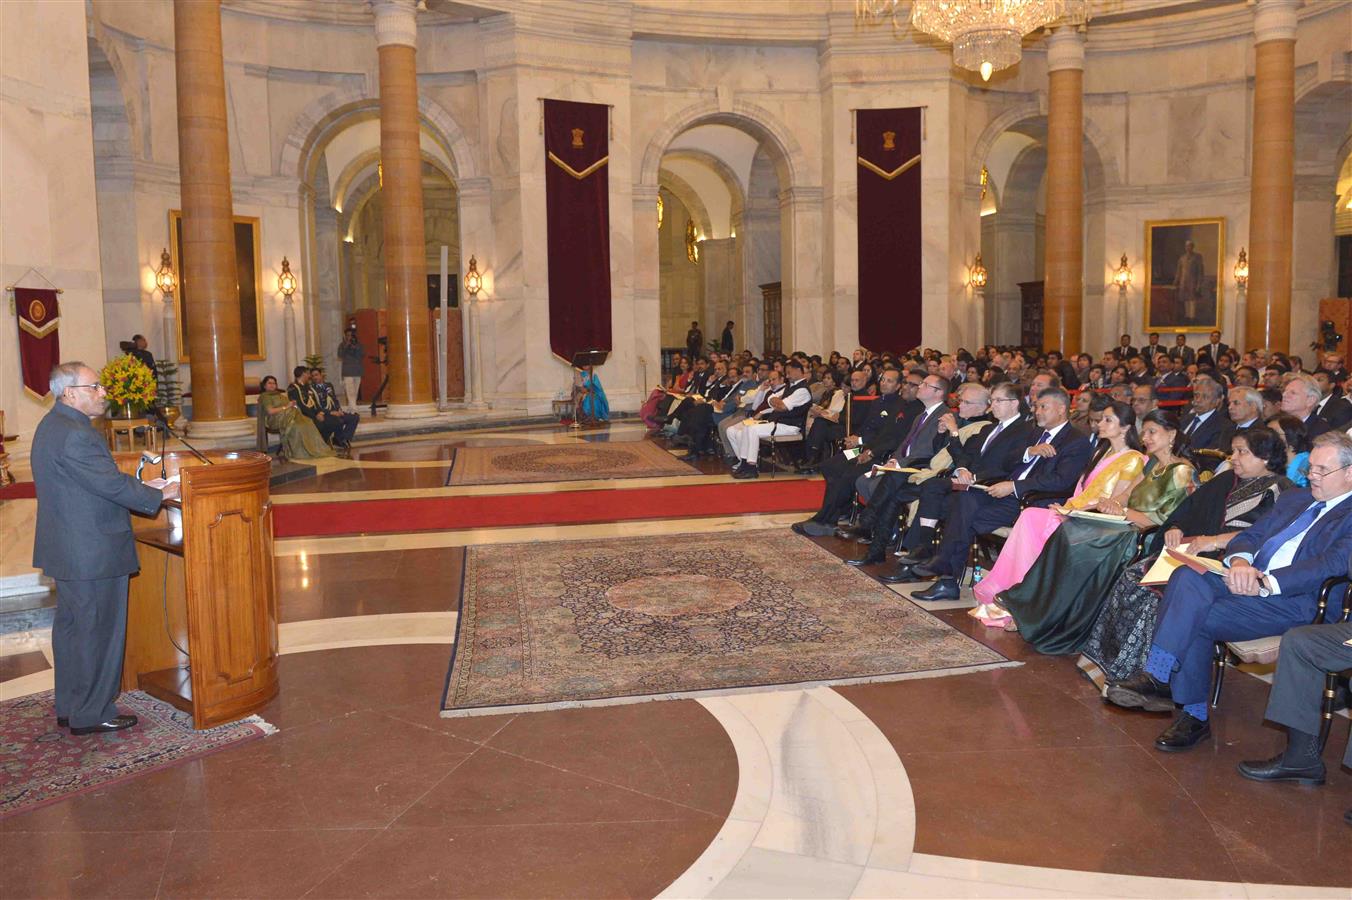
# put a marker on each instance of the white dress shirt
(1287, 551)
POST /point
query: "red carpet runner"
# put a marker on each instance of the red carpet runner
(562, 508)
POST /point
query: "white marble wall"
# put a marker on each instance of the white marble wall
(1167, 112)
(48, 212)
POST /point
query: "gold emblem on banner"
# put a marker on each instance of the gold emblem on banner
(37, 312)
(889, 140)
(577, 138)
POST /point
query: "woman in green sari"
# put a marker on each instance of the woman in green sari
(300, 437)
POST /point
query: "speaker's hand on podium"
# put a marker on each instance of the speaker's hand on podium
(168, 488)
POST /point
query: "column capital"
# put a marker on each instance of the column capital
(1065, 48)
(1274, 20)
(396, 22)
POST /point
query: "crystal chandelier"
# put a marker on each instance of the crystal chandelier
(987, 35)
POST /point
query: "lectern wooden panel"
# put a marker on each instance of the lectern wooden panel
(202, 621)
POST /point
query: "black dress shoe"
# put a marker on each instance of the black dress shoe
(116, 723)
(944, 589)
(869, 560)
(1141, 691)
(924, 571)
(746, 472)
(914, 558)
(797, 528)
(1273, 770)
(1184, 734)
(808, 470)
(850, 532)
(62, 722)
(901, 575)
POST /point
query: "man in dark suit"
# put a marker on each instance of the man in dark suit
(139, 350)
(888, 492)
(83, 542)
(879, 435)
(1210, 353)
(1307, 654)
(344, 423)
(1336, 407)
(1124, 347)
(1299, 398)
(1276, 568)
(1051, 465)
(990, 454)
(302, 393)
(1207, 426)
(1181, 350)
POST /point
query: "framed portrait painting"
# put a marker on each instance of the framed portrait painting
(249, 277)
(1183, 259)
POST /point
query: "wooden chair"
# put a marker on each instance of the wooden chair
(774, 443)
(1263, 651)
(1328, 707)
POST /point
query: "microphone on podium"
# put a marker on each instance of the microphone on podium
(158, 415)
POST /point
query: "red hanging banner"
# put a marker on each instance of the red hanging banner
(39, 345)
(577, 204)
(888, 172)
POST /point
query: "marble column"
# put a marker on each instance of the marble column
(406, 318)
(1267, 319)
(209, 273)
(1064, 245)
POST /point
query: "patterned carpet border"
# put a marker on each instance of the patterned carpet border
(580, 461)
(556, 625)
(41, 764)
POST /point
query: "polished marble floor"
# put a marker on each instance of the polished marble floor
(1010, 782)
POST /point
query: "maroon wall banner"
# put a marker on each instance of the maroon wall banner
(888, 143)
(39, 344)
(577, 203)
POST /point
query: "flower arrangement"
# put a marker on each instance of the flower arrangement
(128, 382)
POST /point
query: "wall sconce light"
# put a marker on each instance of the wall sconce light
(474, 282)
(661, 212)
(691, 241)
(979, 276)
(1122, 277)
(1242, 269)
(164, 275)
(286, 282)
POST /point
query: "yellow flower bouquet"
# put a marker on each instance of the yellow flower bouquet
(130, 385)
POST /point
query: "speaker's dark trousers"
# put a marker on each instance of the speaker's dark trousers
(1198, 610)
(1308, 652)
(89, 637)
(840, 474)
(975, 512)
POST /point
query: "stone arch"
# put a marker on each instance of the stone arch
(721, 169)
(755, 120)
(682, 190)
(1031, 118)
(329, 114)
(98, 37)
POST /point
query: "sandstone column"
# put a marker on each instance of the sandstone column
(406, 317)
(1063, 252)
(209, 274)
(1267, 320)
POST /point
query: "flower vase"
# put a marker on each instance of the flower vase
(126, 409)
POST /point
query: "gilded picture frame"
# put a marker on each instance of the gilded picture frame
(1184, 287)
(248, 266)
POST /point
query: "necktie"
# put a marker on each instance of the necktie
(998, 428)
(910, 436)
(1298, 525)
(1192, 426)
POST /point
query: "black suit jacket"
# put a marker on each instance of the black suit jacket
(1315, 426)
(1187, 353)
(1213, 434)
(1056, 474)
(1338, 413)
(83, 528)
(1204, 353)
(1002, 457)
(872, 417)
(890, 435)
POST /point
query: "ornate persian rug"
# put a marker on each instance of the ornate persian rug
(592, 622)
(41, 763)
(563, 462)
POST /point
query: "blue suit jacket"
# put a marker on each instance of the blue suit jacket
(1322, 553)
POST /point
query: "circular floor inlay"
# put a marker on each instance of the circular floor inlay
(677, 595)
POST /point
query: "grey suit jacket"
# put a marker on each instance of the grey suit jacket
(83, 529)
(922, 444)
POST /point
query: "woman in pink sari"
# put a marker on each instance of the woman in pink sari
(1113, 471)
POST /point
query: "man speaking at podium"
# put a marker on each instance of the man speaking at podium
(84, 543)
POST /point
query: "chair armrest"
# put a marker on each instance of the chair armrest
(1325, 591)
(1033, 498)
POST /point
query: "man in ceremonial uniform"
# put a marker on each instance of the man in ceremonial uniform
(83, 542)
(345, 422)
(302, 393)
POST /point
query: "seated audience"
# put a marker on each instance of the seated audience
(1245, 406)
(1207, 427)
(1206, 521)
(1299, 398)
(1111, 473)
(825, 422)
(1292, 433)
(342, 425)
(300, 438)
(1056, 603)
(1275, 570)
(1050, 467)
(785, 415)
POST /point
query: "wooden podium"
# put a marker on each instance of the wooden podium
(202, 615)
